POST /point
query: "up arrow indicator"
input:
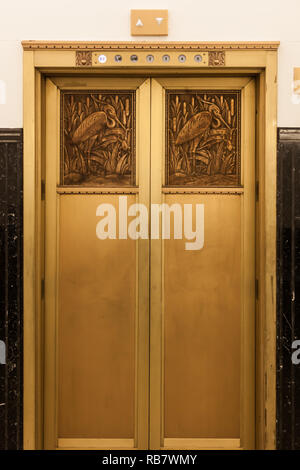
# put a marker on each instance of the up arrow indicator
(139, 22)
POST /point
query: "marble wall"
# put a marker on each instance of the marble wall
(11, 282)
(288, 288)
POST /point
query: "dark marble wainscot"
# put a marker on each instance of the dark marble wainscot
(11, 261)
(288, 288)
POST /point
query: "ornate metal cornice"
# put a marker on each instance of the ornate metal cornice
(114, 45)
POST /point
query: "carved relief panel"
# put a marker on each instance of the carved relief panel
(203, 138)
(98, 138)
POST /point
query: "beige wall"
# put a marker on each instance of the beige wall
(218, 20)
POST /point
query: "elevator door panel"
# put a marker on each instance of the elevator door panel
(96, 290)
(202, 353)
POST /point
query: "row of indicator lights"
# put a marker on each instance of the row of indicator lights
(150, 58)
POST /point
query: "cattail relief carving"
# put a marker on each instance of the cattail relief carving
(98, 138)
(203, 138)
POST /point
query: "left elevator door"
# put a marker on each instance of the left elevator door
(97, 135)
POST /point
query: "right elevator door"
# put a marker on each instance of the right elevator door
(202, 292)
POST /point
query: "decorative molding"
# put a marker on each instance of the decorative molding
(83, 58)
(79, 192)
(289, 134)
(11, 135)
(220, 192)
(114, 45)
(216, 59)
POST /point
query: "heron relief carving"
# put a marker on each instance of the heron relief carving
(97, 142)
(203, 138)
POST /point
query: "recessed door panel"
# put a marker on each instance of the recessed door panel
(202, 324)
(96, 324)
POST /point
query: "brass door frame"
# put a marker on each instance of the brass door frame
(42, 59)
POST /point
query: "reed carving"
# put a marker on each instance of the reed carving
(98, 138)
(203, 138)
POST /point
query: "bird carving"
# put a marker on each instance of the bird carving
(94, 124)
(196, 128)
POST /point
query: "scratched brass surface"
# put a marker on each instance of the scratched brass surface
(202, 324)
(96, 325)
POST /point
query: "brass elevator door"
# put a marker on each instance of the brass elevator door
(149, 263)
